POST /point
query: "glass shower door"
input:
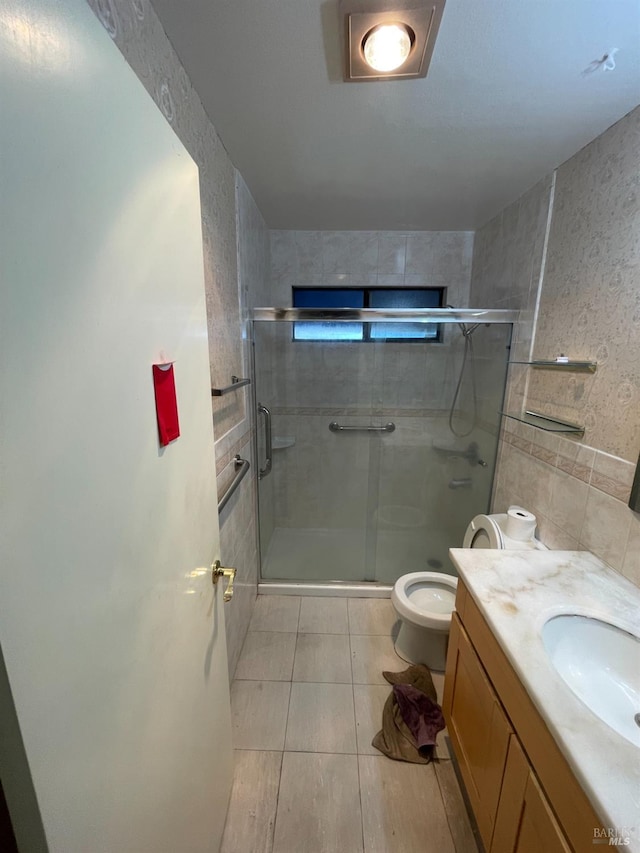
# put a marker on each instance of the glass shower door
(437, 474)
(314, 501)
(372, 475)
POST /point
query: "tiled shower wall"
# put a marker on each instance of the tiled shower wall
(382, 258)
(572, 246)
(137, 31)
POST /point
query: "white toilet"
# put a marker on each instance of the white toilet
(424, 601)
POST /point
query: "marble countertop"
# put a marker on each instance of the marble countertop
(542, 584)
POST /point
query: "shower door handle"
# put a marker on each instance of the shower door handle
(268, 448)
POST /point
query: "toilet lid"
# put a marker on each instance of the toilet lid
(483, 532)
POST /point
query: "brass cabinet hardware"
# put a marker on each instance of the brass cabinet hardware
(219, 571)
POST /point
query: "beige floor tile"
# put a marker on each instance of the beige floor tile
(459, 823)
(369, 701)
(267, 656)
(275, 613)
(319, 805)
(371, 616)
(259, 714)
(321, 718)
(323, 616)
(402, 808)
(322, 657)
(371, 655)
(251, 815)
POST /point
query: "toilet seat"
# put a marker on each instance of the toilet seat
(484, 532)
(487, 531)
(426, 599)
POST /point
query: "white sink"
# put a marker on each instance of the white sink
(601, 664)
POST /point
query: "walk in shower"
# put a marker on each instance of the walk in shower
(377, 434)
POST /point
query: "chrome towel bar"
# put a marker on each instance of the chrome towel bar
(236, 383)
(334, 426)
(241, 466)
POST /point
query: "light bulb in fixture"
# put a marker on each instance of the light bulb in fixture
(387, 46)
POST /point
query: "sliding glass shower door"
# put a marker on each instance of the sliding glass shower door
(361, 475)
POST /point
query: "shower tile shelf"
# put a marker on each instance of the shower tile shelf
(280, 442)
(543, 422)
(571, 365)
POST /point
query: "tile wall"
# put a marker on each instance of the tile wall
(235, 263)
(382, 258)
(570, 252)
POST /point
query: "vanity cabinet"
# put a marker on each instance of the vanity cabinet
(523, 793)
(525, 822)
(478, 728)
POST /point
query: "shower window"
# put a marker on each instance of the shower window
(367, 297)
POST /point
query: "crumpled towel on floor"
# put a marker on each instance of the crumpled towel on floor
(411, 718)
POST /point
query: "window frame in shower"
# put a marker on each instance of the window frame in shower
(366, 327)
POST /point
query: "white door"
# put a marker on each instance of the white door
(113, 640)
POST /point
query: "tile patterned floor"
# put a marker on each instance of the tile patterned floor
(306, 703)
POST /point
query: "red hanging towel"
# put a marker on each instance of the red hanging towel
(166, 404)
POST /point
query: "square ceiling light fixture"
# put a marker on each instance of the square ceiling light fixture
(387, 40)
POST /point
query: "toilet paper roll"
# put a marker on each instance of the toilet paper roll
(521, 524)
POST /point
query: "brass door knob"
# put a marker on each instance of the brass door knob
(219, 571)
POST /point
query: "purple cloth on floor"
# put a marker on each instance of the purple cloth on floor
(422, 715)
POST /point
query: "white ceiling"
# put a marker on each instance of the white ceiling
(504, 102)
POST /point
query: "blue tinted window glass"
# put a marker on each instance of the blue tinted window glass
(404, 331)
(331, 297)
(399, 298)
(335, 297)
(327, 331)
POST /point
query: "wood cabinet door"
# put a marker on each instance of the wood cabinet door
(478, 727)
(525, 822)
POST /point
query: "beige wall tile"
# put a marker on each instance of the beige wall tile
(568, 503)
(631, 562)
(613, 476)
(555, 537)
(588, 304)
(606, 528)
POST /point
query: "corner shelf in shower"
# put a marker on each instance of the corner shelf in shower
(543, 422)
(575, 366)
(280, 442)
